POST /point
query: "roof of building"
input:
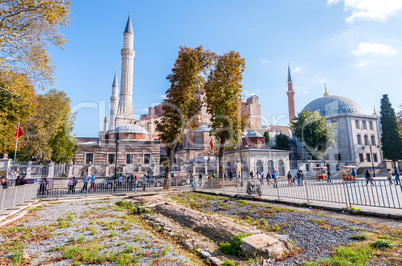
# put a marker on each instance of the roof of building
(253, 134)
(131, 128)
(289, 76)
(333, 105)
(129, 26)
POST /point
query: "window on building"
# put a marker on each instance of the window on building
(307, 168)
(147, 158)
(359, 139)
(375, 158)
(368, 158)
(337, 169)
(364, 125)
(89, 158)
(366, 140)
(372, 140)
(198, 142)
(357, 124)
(371, 125)
(337, 156)
(110, 158)
(361, 159)
(129, 158)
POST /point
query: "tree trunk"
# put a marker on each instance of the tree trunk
(166, 183)
(220, 156)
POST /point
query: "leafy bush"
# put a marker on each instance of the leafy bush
(382, 244)
(359, 237)
(233, 248)
(228, 263)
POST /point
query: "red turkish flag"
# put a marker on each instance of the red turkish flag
(19, 132)
(211, 144)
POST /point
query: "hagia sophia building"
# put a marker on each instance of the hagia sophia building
(137, 148)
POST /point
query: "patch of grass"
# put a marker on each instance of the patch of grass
(129, 249)
(55, 203)
(81, 239)
(61, 248)
(93, 231)
(384, 237)
(124, 259)
(165, 251)
(382, 244)
(112, 234)
(228, 263)
(16, 257)
(70, 217)
(87, 253)
(359, 237)
(234, 247)
(37, 208)
(355, 255)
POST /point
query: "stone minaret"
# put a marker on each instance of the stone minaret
(291, 97)
(125, 110)
(114, 101)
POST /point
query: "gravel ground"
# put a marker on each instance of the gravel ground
(314, 236)
(56, 228)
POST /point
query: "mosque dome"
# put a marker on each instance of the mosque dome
(332, 105)
(131, 128)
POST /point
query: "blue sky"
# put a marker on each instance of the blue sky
(354, 46)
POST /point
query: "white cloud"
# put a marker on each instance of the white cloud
(247, 94)
(374, 48)
(361, 64)
(163, 96)
(297, 69)
(264, 61)
(369, 9)
(144, 109)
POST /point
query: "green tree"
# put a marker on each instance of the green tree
(317, 135)
(27, 29)
(399, 116)
(282, 142)
(17, 104)
(391, 138)
(267, 138)
(63, 145)
(224, 101)
(52, 112)
(183, 100)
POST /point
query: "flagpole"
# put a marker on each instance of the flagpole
(15, 152)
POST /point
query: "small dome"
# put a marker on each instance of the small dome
(253, 134)
(131, 128)
(333, 105)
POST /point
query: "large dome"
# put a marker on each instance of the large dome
(131, 128)
(333, 105)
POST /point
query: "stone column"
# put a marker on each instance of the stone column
(50, 172)
(206, 167)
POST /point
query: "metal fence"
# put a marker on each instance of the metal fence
(59, 187)
(378, 193)
(12, 196)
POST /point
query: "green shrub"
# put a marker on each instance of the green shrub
(234, 248)
(228, 263)
(382, 244)
(359, 237)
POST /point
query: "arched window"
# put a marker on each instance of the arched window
(366, 140)
(198, 142)
(364, 125)
(259, 166)
(372, 140)
(271, 166)
(359, 139)
(357, 124)
(371, 125)
(281, 168)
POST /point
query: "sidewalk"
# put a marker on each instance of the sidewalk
(323, 205)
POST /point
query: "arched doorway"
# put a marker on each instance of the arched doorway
(281, 168)
(259, 166)
(271, 166)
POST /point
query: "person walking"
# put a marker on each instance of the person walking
(92, 183)
(42, 186)
(354, 175)
(302, 177)
(135, 183)
(289, 175)
(275, 177)
(389, 176)
(368, 178)
(120, 181)
(397, 174)
(329, 176)
(298, 176)
(251, 175)
(259, 177)
(149, 180)
(191, 180)
(85, 186)
(144, 180)
(269, 177)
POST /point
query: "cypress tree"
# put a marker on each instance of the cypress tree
(391, 138)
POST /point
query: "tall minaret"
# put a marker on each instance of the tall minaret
(125, 110)
(291, 97)
(114, 101)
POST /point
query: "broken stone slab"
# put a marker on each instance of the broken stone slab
(263, 245)
(216, 227)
